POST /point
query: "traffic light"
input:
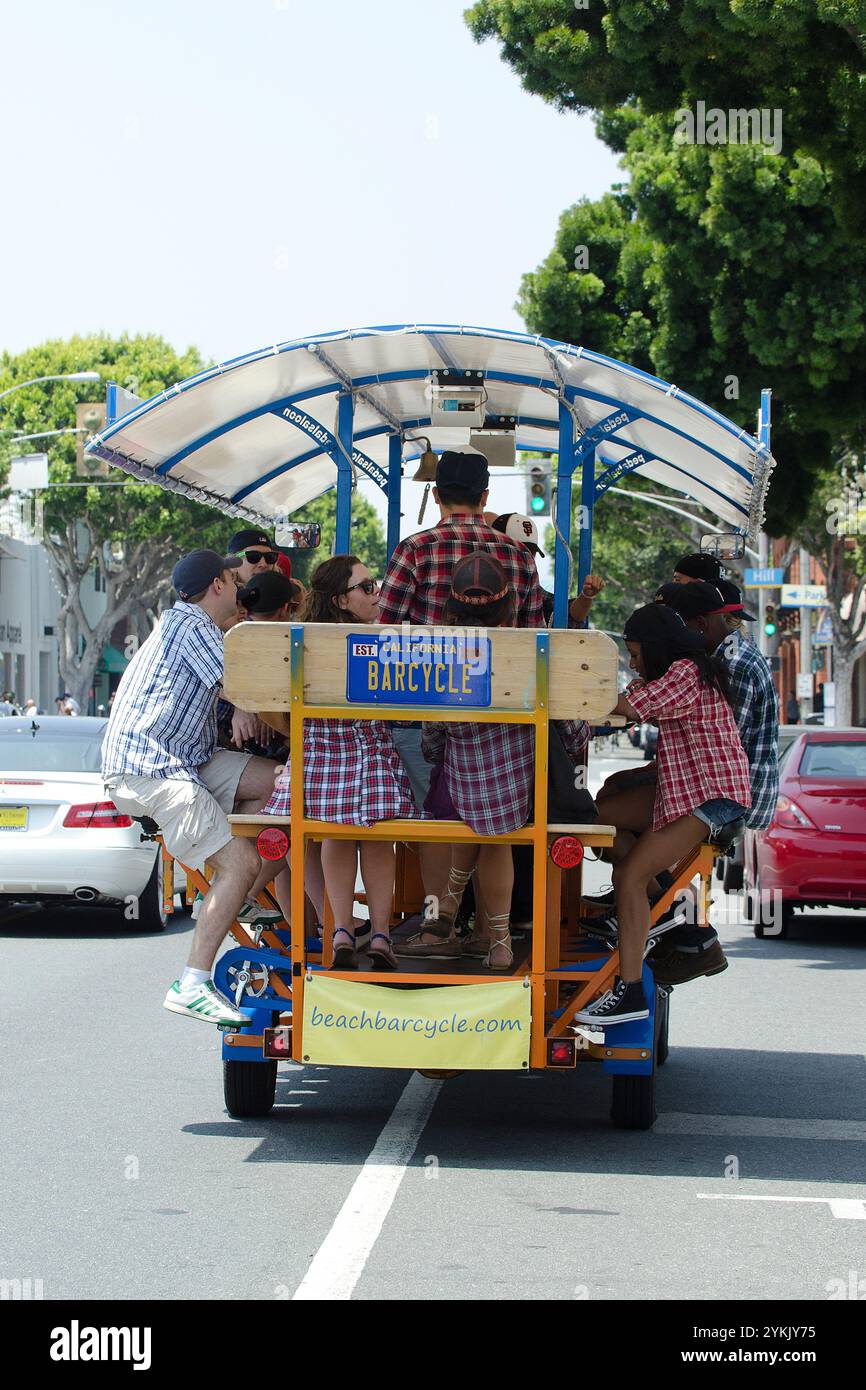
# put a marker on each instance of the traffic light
(770, 624)
(538, 491)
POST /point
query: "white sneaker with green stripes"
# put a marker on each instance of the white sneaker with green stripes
(251, 914)
(204, 1002)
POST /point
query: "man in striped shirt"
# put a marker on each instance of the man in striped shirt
(160, 759)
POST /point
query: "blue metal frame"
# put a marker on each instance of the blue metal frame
(571, 454)
(345, 424)
(395, 488)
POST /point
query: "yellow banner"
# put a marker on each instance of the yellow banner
(453, 1028)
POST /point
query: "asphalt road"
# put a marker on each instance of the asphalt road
(124, 1177)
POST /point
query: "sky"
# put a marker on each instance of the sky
(233, 173)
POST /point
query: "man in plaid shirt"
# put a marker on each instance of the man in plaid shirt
(416, 588)
(416, 585)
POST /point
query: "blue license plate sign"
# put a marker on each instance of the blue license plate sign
(436, 669)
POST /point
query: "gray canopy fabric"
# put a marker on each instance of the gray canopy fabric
(259, 436)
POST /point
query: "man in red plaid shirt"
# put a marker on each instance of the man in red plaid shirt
(419, 575)
(416, 588)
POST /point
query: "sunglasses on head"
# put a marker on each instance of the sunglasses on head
(254, 556)
(369, 586)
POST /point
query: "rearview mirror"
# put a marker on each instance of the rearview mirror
(307, 536)
(725, 547)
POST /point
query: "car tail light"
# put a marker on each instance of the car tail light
(272, 843)
(277, 1042)
(566, 852)
(561, 1052)
(791, 817)
(97, 815)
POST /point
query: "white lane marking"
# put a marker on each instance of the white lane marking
(339, 1262)
(844, 1208)
(760, 1126)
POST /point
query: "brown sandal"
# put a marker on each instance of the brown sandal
(382, 959)
(345, 957)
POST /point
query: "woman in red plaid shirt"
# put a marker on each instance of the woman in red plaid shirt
(487, 773)
(703, 784)
(352, 775)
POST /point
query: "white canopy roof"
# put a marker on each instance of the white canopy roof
(256, 436)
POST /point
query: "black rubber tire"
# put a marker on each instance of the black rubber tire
(249, 1088)
(663, 1020)
(152, 916)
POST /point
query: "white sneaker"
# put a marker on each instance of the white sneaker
(206, 1003)
(251, 914)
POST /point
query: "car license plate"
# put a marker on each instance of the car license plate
(13, 817)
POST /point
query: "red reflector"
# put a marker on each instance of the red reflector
(272, 843)
(561, 1052)
(566, 852)
(277, 1042)
(98, 815)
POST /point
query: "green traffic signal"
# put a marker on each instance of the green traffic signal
(770, 625)
(537, 504)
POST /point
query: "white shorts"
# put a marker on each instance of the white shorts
(192, 817)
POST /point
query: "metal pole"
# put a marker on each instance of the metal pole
(395, 480)
(764, 433)
(564, 471)
(345, 426)
(587, 507)
(805, 637)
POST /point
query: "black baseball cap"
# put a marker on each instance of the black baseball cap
(194, 572)
(253, 536)
(466, 471)
(699, 566)
(267, 592)
(695, 600)
(733, 599)
(657, 623)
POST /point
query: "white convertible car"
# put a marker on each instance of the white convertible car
(62, 842)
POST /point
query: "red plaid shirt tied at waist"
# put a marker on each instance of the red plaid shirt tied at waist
(700, 757)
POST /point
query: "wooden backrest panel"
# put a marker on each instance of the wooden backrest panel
(583, 668)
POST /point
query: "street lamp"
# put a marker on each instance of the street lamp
(61, 376)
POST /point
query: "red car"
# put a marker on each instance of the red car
(814, 853)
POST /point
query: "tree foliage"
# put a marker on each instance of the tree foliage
(723, 270)
(806, 58)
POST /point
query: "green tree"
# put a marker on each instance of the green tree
(721, 269)
(806, 58)
(133, 532)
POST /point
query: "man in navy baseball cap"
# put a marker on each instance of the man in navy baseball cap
(194, 573)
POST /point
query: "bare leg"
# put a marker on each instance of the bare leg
(255, 786)
(633, 877)
(339, 864)
(495, 876)
(314, 879)
(236, 867)
(435, 863)
(378, 863)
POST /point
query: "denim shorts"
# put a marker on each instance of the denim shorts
(719, 813)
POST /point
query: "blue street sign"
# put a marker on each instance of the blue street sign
(399, 668)
(767, 578)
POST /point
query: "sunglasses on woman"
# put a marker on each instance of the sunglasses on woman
(254, 556)
(370, 586)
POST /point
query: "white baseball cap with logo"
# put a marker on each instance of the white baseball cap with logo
(519, 528)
